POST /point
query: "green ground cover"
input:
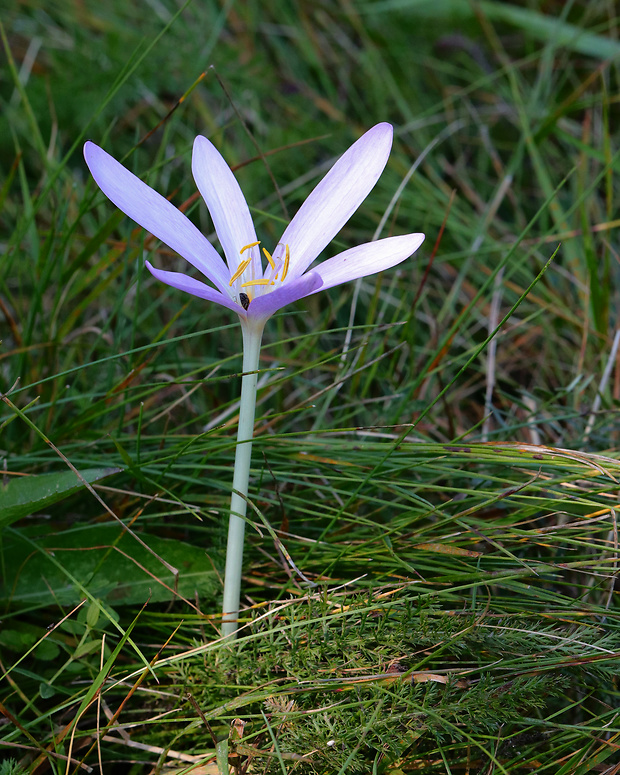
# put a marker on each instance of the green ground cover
(435, 447)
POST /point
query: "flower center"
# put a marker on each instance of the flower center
(278, 269)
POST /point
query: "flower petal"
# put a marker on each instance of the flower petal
(367, 259)
(264, 306)
(155, 213)
(337, 197)
(227, 206)
(186, 283)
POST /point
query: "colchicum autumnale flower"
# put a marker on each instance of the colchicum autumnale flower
(254, 282)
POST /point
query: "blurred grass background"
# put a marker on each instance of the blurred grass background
(436, 447)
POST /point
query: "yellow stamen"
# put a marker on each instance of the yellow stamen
(287, 258)
(240, 270)
(251, 245)
(269, 258)
(256, 282)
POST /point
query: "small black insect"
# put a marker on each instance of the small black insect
(245, 300)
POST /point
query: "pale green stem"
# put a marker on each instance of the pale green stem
(243, 456)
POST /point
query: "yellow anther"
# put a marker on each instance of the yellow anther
(256, 282)
(269, 258)
(251, 245)
(240, 270)
(287, 258)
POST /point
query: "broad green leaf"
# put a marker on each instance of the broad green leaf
(92, 615)
(109, 563)
(26, 495)
(87, 648)
(46, 690)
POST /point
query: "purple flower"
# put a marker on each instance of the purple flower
(253, 282)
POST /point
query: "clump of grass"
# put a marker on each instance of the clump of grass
(349, 683)
(10, 767)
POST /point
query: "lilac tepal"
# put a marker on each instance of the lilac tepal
(257, 283)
